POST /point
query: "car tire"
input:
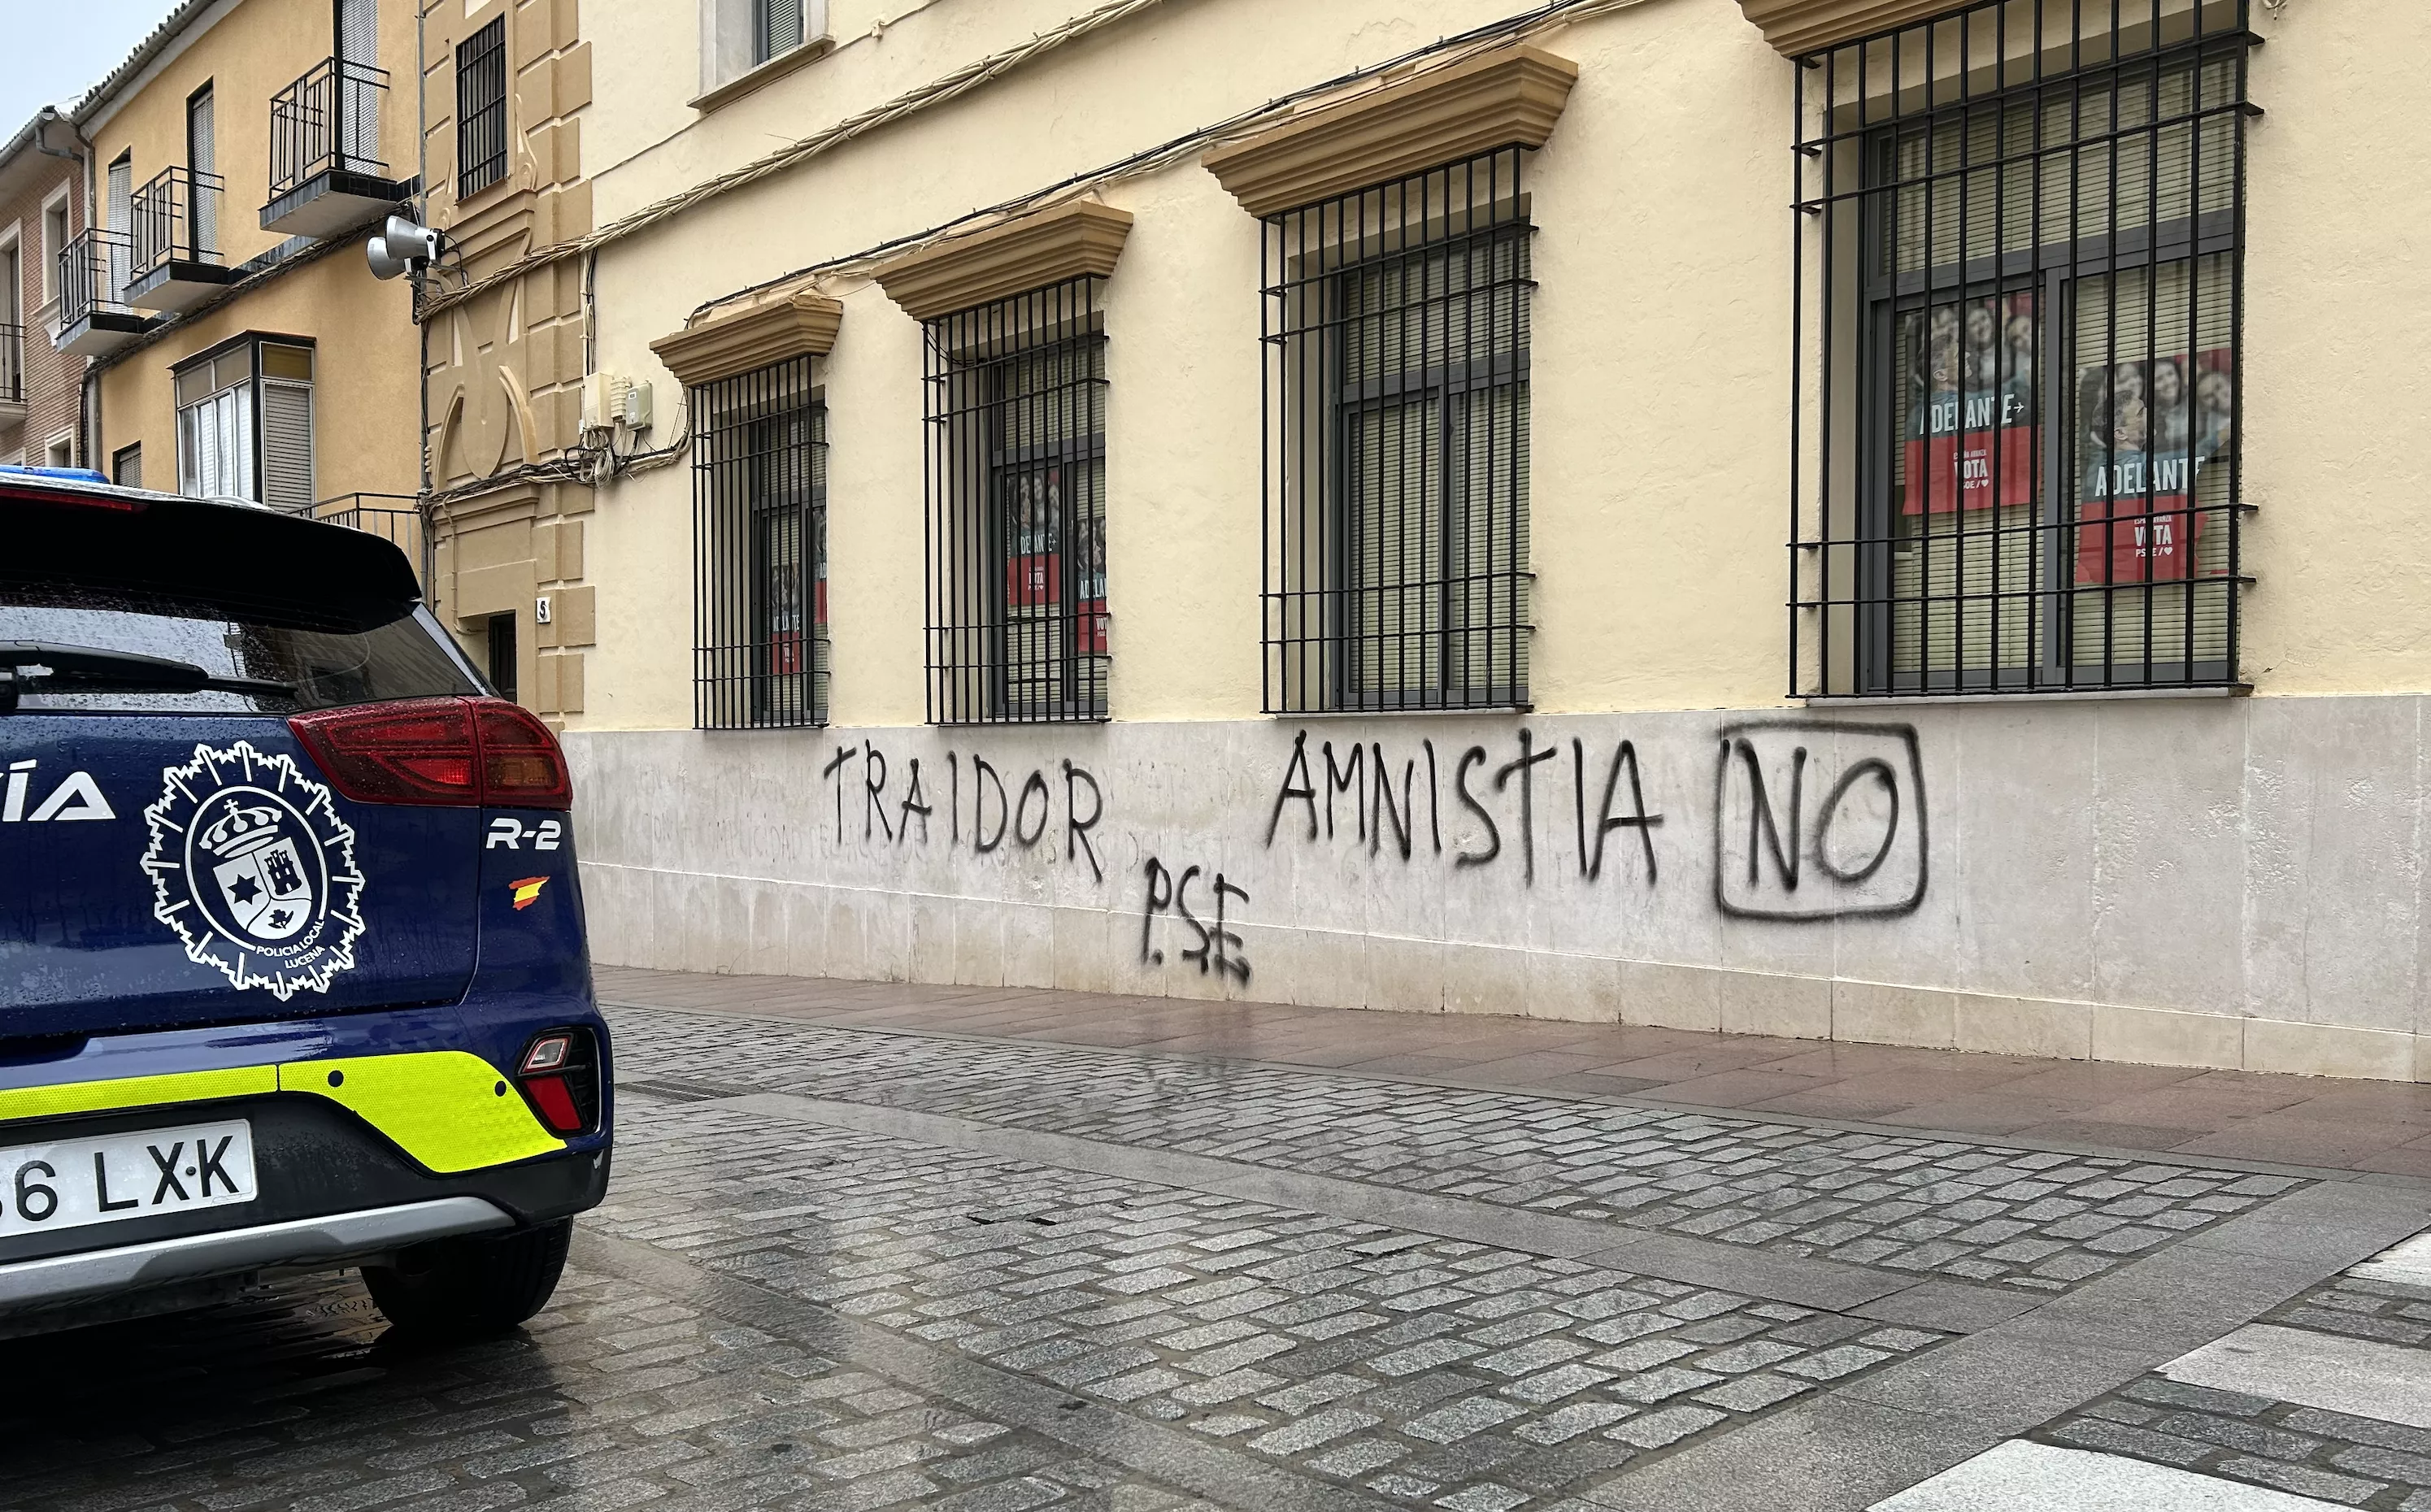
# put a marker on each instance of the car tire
(471, 1288)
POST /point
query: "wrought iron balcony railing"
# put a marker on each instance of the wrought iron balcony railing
(394, 517)
(13, 364)
(93, 268)
(175, 218)
(327, 122)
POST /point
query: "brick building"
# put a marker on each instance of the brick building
(41, 207)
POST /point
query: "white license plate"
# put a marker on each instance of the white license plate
(111, 1178)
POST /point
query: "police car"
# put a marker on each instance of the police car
(293, 972)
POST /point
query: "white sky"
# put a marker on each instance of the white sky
(57, 47)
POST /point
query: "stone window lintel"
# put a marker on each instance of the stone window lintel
(1512, 95)
(1037, 251)
(801, 322)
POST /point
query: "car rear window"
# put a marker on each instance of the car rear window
(295, 615)
(319, 666)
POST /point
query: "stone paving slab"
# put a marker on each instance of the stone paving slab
(618, 1396)
(2280, 1434)
(2187, 1112)
(1423, 1370)
(2034, 1221)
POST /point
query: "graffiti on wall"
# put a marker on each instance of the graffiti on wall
(1810, 821)
(986, 807)
(1218, 950)
(1816, 819)
(1495, 799)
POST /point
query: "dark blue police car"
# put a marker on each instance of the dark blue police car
(292, 961)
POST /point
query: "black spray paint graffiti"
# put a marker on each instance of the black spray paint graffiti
(1364, 774)
(1024, 814)
(1218, 948)
(1816, 819)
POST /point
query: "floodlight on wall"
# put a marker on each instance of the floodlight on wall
(402, 246)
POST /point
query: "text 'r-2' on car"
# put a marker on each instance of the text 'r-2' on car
(293, 973)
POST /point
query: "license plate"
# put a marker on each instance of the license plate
(112, 1178)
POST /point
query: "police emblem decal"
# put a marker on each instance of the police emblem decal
(254, 869)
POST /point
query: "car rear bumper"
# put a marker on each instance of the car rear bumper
(310, 1243)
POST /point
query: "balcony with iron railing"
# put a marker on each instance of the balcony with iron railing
(12, 375)
(174, 228)
(94, 319)
(395, 518)
(325, 171)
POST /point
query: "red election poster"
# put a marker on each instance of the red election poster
(1092, 637)
(1033, 569)
(1971, 438)
(2148, 430)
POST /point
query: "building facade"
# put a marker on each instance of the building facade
(42, 209)
(241, 345)
(1839, 518)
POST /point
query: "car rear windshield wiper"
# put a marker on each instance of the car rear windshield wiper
(47, 666)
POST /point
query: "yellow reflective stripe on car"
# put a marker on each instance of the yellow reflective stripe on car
(449, 1110)
(137, 1092)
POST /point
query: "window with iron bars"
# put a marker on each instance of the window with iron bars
(2024, 258)
(1395, 533)
(760, 546)
(1016, 527)
(481, 109)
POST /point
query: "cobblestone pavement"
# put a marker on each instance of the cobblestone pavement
(2025, 1218)
(1100, 1281)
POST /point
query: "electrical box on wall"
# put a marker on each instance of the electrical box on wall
(611, 401)
(603, 400)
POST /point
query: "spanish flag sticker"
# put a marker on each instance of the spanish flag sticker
(528, 891)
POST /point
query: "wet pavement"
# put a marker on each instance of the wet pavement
(847, 1266)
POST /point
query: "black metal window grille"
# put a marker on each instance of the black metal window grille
(2019, 292)
(481, 109)
(1016, 526)
(760, 544)
(1394, 538)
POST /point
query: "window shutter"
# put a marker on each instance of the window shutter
(358, 95)
(202, 160)
(778, 29)
(122, 219)
(287, 445)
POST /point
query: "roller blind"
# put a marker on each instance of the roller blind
(2064, 165)
(1436, 397)
(778, 29)
(287, 445)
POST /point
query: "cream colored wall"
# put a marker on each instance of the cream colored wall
(249, 56)
(365, 371)
(2338, 308)
(1661, 350)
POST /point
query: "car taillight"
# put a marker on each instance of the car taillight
(560, 1077)
(520, 766)
(469, 752)
(416, 752)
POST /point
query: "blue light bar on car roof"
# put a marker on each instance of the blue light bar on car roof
(75, 475)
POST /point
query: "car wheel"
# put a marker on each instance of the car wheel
(471, 1288)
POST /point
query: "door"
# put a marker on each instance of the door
(121, 222)
(357, 101)
(202, 158)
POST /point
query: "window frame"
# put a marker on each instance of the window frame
(977, 666)
(736, 508)
(481, 118)
(1878, 294)
(256, 381)
(1313, 631)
